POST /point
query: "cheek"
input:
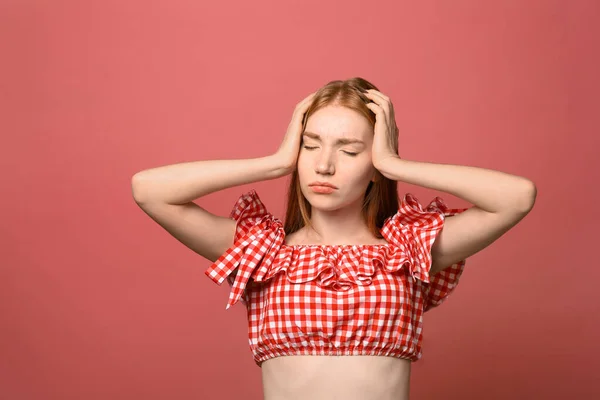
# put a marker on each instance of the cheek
(302, 164)
(360, 171)
(301, 161)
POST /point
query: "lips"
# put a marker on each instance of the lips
(324, 184)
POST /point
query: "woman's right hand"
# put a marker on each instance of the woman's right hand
(287, 154)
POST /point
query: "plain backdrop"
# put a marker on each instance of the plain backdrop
(97, 301)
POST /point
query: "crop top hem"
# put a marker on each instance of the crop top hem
(327, 350)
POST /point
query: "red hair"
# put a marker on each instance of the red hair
(381, 197)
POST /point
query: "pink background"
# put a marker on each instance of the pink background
(98, 302)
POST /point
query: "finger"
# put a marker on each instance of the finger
(302, 107)
(310, 96)
(384, 102)
(380, 103)
(379, 113)
(378, 93)
(306, 100)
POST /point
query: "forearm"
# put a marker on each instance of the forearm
(490, 190)
(185, 182)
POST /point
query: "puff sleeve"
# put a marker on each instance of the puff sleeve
(258, 237)
(414, 229)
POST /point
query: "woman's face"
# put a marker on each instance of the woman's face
(336, 149)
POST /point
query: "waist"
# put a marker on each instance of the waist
(316, 377)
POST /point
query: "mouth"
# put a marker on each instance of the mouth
(322, 189)
(323, 185)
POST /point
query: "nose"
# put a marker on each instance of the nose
(325, 164)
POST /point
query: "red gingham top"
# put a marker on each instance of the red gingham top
(336, 299)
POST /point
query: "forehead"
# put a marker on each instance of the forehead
(333, 122)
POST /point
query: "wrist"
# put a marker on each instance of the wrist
(385, 163)
(278, 166)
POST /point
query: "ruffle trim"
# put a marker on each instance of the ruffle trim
(259, 252)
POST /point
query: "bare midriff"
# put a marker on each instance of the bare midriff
(305, 377)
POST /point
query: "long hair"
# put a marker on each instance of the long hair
(381, 197)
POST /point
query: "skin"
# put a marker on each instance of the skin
(336, 217)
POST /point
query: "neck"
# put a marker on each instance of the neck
(342, 226)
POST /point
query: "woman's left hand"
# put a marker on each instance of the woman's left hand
(386, 132)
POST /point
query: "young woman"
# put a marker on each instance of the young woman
(336, 294)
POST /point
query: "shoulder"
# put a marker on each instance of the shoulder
(251, 215)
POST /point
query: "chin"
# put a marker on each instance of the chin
(324, 202)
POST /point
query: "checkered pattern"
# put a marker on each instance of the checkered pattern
(335, 299)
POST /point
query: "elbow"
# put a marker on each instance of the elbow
(138, 188)
(527, 196)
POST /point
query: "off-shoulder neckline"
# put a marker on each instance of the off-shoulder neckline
(338, 246)
(387, 243)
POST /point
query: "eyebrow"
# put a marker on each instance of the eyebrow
(340, 141)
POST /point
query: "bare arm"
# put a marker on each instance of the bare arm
(166, 195)
(181, 183)
(500, 201)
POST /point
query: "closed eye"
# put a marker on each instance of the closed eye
(347, 152)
